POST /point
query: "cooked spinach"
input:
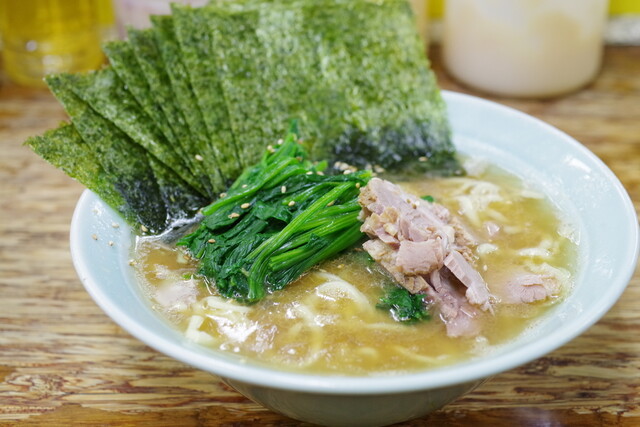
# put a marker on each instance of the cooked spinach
(404, 306)
(280, 218)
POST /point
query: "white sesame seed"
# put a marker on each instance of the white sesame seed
(271, 149)
(234, 215)
(347, 172)
(291, 203)
(422, 158)
(357, 185)
(283, 189)
(94, 236)
(211, 240)
(320, 173)
(331, 203)
(222, 195)
(245, 205)
(143, 229)
(115, 225)
(132, 262)
(310, 173)
(280, 141)
(199, 157)
(244, 185)
(110, 243)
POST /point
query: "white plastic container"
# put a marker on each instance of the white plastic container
(524, 48)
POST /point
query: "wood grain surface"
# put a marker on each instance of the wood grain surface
(64, 362)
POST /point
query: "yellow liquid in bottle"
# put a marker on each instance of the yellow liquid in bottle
(49, 36)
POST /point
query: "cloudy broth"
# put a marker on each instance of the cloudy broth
(327, 321)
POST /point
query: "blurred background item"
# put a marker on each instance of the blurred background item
(524, 48)
(51, 36)
(622, 27)
(421, 11)
(135, 13)
(624, 24)
(38, 37)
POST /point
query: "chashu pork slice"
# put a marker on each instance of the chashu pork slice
(426, 251)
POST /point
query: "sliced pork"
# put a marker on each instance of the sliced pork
(477, 291)
(528, 287)
(459, 316)
(426, 251)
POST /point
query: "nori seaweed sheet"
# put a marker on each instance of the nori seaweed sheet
(399, 112)
(185, 99)
(153, 69)
(123, 60)
(179, 198)
(64, 148)
(259, 112)
(119, 156)
(364, 93)
(107, 95)
(191, 101)
(197, 48)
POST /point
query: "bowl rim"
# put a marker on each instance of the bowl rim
(465, 372)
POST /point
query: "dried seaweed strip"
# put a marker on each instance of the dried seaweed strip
(400, 113)
(244, 72)
(120, 157)
(197, 47)
(106, 94)
(64, 148)
(301, 70)
(180, 200)
(123, 60)
(200, 156)
(185, 100)
(267, 68)
(364, 92)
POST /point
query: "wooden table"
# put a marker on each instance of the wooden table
(64, 362)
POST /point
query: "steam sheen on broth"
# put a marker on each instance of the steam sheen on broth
(327, 321)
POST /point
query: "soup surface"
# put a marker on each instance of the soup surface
(327, 321)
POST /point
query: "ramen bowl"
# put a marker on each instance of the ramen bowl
(575, 180)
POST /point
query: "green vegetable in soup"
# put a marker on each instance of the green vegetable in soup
(404, 306)
(280, 218)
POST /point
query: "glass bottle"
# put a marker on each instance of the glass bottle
(49, 36)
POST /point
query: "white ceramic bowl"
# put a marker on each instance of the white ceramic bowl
(578, 183)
